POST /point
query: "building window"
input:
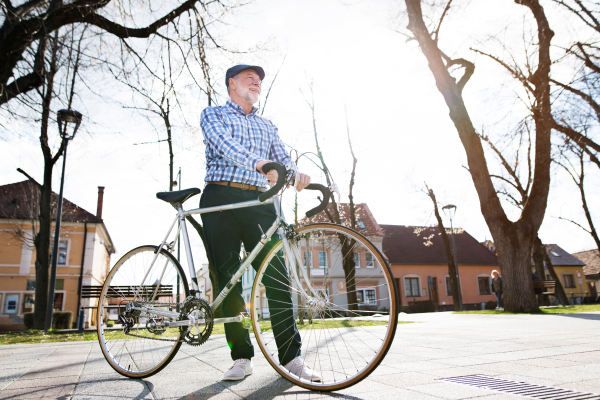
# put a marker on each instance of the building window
(59, 284)
(370, 261)
(412, 287)
(309, 259)
(483, 282)
(370, 296)
(361, 224)
(357, 260)
(366, 297)
(58, 301)
(322, 259)
(28, 303)
(30, 284)
(12, 301)
(569, 281)
(62, 252)
(448, 287)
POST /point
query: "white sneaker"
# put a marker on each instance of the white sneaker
(239, 370)
(299, 368)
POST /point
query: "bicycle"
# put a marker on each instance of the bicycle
(345, 333)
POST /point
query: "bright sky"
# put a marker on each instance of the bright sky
(399, 124)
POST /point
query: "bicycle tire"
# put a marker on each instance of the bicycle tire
(345, 331)
(133, 356)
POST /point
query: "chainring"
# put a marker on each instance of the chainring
(196, 335)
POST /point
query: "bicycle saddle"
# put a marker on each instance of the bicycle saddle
(178, 196)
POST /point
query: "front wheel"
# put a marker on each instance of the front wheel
(140, 345)
(341, 297)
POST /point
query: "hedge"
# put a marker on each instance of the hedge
(60, 320)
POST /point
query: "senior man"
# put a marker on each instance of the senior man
(239, 143)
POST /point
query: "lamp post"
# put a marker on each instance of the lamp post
(65, 117)
(450, 211)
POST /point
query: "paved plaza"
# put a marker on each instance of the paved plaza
(561, 351)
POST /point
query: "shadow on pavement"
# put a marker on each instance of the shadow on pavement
(589, 317)
(266, 393)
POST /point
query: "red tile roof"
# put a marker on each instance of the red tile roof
(591, 258)
(21, 201)
(371, 227)
(421, 245)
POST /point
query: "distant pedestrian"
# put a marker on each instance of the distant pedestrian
(497, 288)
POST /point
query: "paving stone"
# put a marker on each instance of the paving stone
(58, 392)
(405, 379)
(449, 390)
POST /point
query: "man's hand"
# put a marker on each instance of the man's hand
(302, 181)
(272, 175)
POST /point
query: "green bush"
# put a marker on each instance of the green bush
(62, 319)
(110, 323)
(28, 320)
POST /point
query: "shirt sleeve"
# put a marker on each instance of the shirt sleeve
(278, 152)
(217, 135)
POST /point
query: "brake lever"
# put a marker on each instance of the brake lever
(334, 189)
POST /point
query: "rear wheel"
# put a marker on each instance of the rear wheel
(344, 306)
(140, 346)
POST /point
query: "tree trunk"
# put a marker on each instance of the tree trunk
(514, 240)
(540, 250)
(42, 239)
(449, 256)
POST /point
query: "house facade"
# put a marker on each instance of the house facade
(418, 260)
(591, 270)
(84, 249)
(569, 270)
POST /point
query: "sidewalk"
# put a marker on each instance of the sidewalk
(561, 351)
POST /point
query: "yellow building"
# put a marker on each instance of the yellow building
(84, 253)
(569, 270)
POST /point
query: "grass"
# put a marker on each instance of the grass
(53, 336)
(557, 310)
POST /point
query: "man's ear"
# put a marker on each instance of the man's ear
(232, 82)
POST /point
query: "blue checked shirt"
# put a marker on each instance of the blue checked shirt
(235, 142)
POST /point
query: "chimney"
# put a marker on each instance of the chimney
(100, 199)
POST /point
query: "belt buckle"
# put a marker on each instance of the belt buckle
(242, 186)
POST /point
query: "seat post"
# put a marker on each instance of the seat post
(188, 251)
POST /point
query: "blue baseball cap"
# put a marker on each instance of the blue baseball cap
(233, 71)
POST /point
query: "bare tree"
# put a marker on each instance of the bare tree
(333, 213)
(514, 240)
(452, 267)
(516, 189)
(577, 174)
(34, 21)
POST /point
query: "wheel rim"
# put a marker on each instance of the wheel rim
(141, 355)
(342, 344)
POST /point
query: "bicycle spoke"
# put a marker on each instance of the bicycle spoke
(340, 340)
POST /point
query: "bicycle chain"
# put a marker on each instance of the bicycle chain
(189, 303)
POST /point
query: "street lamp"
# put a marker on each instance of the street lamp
(450, 211)
(64, 118)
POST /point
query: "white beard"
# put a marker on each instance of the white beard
(248, 95)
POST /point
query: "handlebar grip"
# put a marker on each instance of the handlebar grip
(281, 176)
(326, 196)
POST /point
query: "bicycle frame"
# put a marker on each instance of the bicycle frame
(277, 226)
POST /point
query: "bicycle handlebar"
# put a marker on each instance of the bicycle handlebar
(281, 180)
(326, 195)
(281, 175)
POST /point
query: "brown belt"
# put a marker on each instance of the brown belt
(244, 186)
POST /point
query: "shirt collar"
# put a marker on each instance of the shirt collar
(238, 108)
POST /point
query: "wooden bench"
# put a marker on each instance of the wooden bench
(94, 292)
(546, 284)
